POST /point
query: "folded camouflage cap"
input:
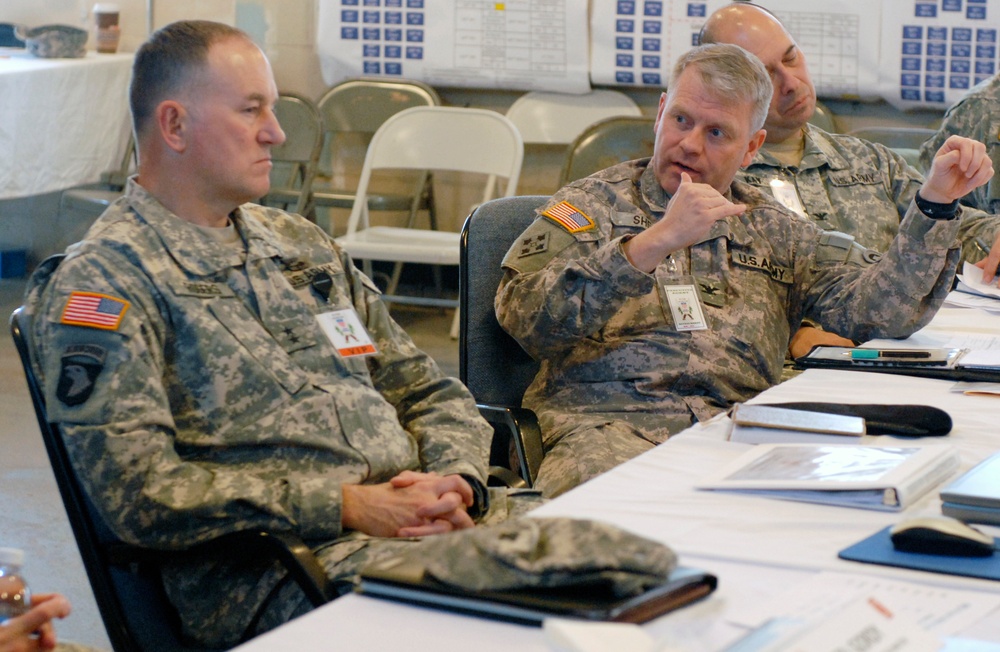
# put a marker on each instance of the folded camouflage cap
(547, 552)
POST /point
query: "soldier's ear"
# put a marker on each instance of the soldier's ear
(172, 123)
(755, 143)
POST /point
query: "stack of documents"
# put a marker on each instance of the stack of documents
(971, 292)
(975, 496)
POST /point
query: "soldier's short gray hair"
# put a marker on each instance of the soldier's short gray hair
(733, 73)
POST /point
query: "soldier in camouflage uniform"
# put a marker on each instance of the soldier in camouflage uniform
(976, 116)
(840, 182)
(219, 366)
(600, 286)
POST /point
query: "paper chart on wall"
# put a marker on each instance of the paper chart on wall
(933, 51)
(510, 44)
(635, 42)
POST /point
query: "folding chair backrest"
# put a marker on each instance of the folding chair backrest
(608, 143)
(558, 118)
(442, 138)
(295, 160)
(491, 363)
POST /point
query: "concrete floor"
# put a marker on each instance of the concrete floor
(31, 511)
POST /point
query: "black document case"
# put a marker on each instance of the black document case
(945, 364)
(407, 583)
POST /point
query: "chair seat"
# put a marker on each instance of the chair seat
(401, 244)
(329, 197)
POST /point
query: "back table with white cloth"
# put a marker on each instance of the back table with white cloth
(62, 121)
(758, 547)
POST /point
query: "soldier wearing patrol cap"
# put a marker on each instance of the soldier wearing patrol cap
(840, 182)
(666, 291)
(215, 365)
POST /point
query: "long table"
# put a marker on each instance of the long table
(62, 121)
(758, 547)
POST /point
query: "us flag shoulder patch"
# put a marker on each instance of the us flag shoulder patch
(569, 217)
(94, 310)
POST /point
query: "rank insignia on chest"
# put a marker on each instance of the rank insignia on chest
(80, 366)
(569, 217)
(94, 310)
(535, 244)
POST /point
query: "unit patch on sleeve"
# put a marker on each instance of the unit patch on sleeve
(534, 244)
(94, 310)
(80, 366)
(569, 217)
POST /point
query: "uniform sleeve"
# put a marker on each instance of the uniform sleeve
(892, 298)
(105, 388)
(550, 300)
(438, 411)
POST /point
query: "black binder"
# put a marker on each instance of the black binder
(945, 364)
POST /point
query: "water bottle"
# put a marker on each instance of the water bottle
(15, 597)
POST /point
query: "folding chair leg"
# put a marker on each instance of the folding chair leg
(397, 271)
(454, 326)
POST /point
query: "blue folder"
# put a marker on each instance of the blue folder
(877, 549)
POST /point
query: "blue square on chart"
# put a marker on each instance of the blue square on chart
(986, 36)
(986, 67)
(624, 43)
(980, 80)
(624, 60)
(623, 25)
(653, 9)
(393, 68)
(695, 40)
(372, 17)
(371, 50)
(961, 50)
(961, 34)
(910, 94)
(349, 33)
(909, 79)
(650, 45)
(414, 4)
(934, 81)
(961, 66)
(372, 67)
(976, 13)
(394, 18)
(650, 61)
(652, 79)
(393, 34)
(371, 34)
(626, 8)
(652, 26)
(349, 16)
(414, 18)
(934, 96)
(414, 36)
(349, 3)
(937, 33)
(910, 63)
(912, 47)
(986, 51)
(393, 51)
(937, 49)
(624, 77)
(959, 81)
(951, 5)
(924, 10)
(696, 10)
(371, 3)
(414, 52)
(913, 31)
(977, 2)
(936, 65)
(393, 3)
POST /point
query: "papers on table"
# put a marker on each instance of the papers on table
(972, 292)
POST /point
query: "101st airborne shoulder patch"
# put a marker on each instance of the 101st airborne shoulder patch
(80, 366)
(569, 217)
(94, 311)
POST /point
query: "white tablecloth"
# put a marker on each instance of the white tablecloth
(62, 121)
(757, 546)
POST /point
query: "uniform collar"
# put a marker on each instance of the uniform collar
(193, 251)
(818, 151)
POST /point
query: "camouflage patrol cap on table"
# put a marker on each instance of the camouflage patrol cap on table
(547, 552)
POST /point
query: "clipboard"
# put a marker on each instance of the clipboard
(877, 549)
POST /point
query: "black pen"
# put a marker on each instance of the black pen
(871, 354)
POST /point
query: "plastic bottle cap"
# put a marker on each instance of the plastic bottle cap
(106, 8)
(11, 557)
